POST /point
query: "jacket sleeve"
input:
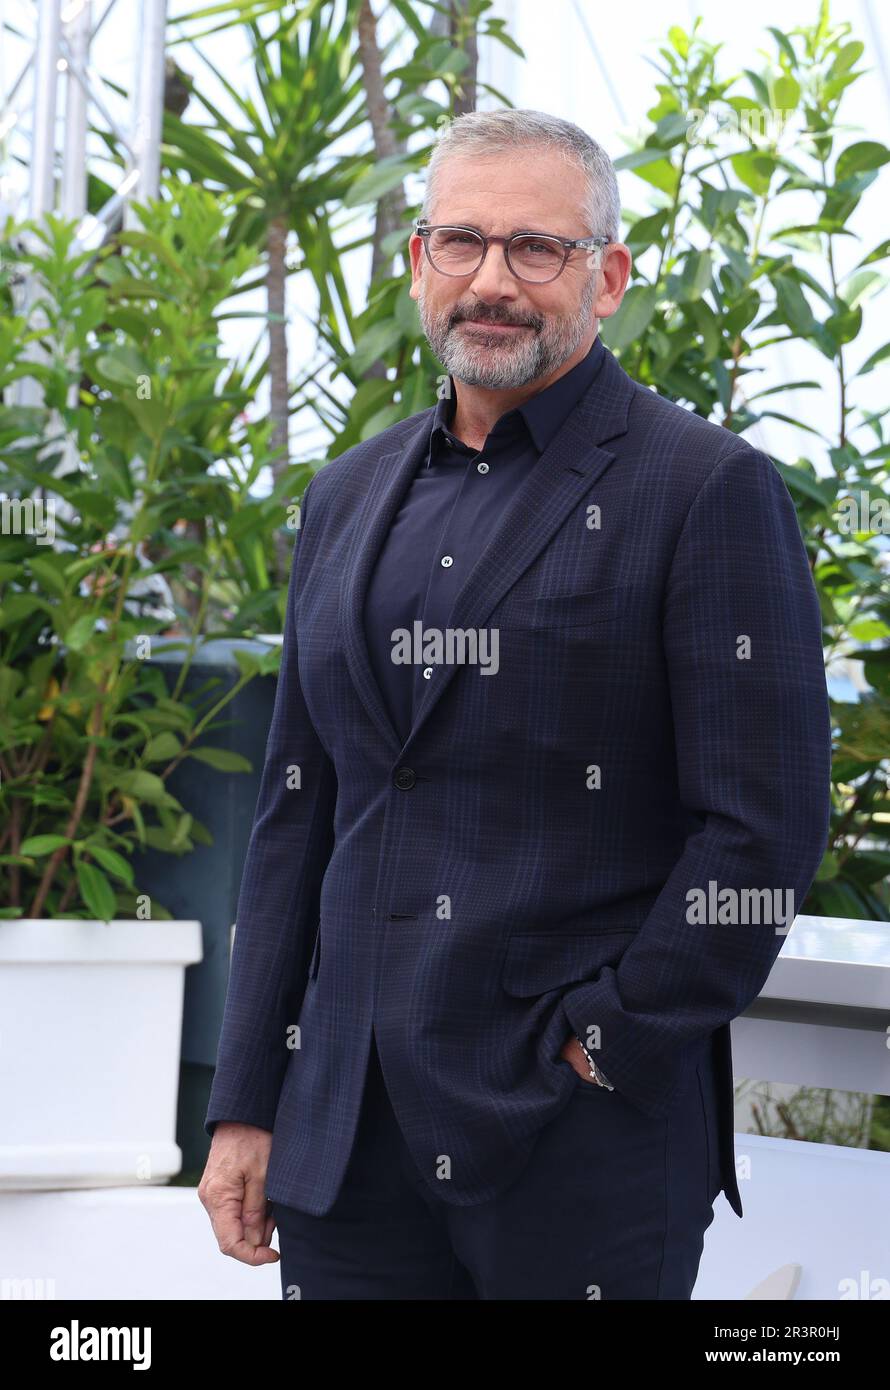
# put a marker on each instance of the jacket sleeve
(290, 844)
(753, 747)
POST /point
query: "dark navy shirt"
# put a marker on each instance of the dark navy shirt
(452, 505)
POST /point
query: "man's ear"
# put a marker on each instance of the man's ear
(415, 252)
(614, 273)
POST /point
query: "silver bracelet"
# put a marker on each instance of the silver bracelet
(595, 1072)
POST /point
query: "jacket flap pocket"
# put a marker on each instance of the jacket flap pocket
(539, 961)
(567, 610)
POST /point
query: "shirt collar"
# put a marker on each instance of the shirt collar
(542, 414)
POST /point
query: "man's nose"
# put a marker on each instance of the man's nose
(493, 279)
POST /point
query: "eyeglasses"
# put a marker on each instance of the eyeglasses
(531, 256)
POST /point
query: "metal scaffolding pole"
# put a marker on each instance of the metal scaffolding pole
(61, 67)
(46, 57)
(74, 174)
(145, 160)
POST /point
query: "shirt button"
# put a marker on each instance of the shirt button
(404, 779)
(447, 561)
(427, 672)
(482, 467)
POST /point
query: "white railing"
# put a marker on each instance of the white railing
(817, 1216)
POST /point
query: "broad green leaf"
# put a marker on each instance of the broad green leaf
(792, 304)
(696, 277)
(754, 170)
(144, 786)
(786, 93)
(864, 155)
(162, 747)
(47, 572)
(97, 892)
(79, 633)
(632, 318)
(15, 607)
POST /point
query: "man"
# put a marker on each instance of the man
(552, 679)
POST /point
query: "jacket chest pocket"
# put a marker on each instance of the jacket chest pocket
(546, 612)
(538, 961)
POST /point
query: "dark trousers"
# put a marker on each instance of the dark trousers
(611, 1205)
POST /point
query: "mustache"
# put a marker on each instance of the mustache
(487, 314)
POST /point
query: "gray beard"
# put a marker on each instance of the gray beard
(498, 365)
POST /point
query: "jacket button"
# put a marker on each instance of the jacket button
(405, 779)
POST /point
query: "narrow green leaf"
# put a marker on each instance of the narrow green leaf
(38, 845)
(113, 862)
(222, 759)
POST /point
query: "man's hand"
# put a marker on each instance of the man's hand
(574, 1054)
(233, 1192)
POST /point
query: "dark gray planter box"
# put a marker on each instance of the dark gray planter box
(204, 883)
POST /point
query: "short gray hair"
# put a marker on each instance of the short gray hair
(506, 131)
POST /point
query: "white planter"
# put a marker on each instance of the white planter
(90, 1031)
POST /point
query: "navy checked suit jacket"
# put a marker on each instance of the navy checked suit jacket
(518, 869)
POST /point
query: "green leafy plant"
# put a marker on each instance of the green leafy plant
(275, 157)
(753, 181)
(134, 471)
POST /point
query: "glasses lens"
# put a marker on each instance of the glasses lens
(454, 251)
(536, 258)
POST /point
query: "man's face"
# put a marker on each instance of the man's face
(489, 329)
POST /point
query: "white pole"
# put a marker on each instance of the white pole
(74, 159)
(43, 136)
(149, 103)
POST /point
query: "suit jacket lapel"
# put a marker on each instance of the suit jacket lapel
(390, 482)
(566, 470)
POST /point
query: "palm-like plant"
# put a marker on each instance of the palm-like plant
(377, 348)
(277, 159)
